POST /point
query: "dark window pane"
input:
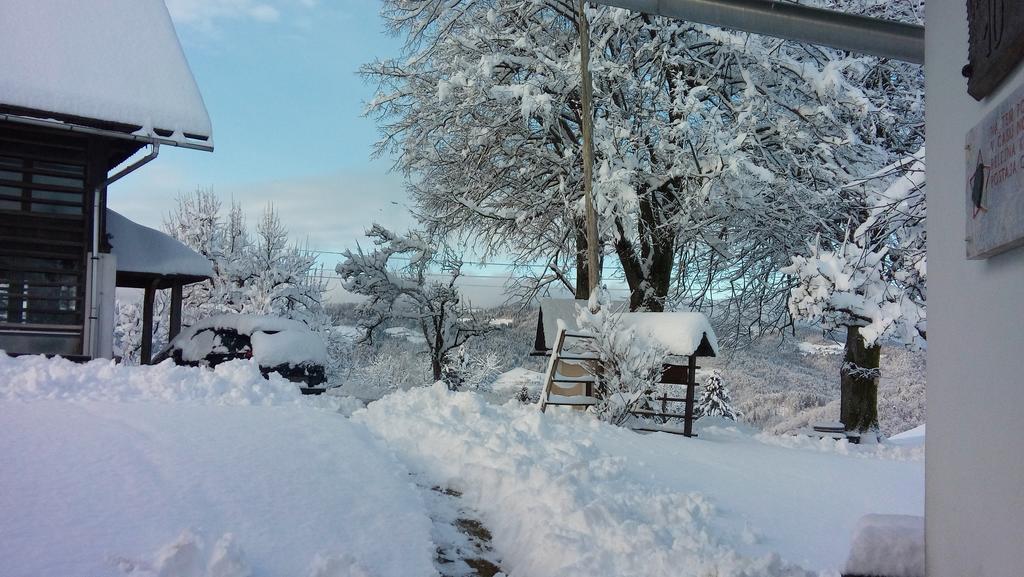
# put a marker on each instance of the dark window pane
(58, 180)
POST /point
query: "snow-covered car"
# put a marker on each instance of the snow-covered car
(283, 346)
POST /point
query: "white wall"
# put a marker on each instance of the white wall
(975, 452)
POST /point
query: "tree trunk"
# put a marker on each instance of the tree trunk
(859, 384)
(582, 267)
(435, 366)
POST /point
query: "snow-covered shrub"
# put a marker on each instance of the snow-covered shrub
(525, 397)
(128, 327)
(628, 368)
(715, 400)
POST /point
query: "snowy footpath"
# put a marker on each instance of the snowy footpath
(173, 472)
(566, 495)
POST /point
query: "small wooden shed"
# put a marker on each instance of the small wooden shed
(684, 336)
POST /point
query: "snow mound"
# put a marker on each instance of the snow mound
(512, 381)
(810, 440)
(96, 488)
(890, 545)
(31, 378)
(915, 435)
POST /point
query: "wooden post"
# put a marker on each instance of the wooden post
(691, 384)
(146, 352)
(587, 125)
(175, 328)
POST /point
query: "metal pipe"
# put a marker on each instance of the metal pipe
(94, 257)
(57, 125)
(875, 36)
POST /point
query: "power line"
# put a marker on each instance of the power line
(472, 263)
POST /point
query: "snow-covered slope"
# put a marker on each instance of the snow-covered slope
(565, 495)
(180, 472)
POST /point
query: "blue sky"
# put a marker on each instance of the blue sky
(280, 81)
(279, 78)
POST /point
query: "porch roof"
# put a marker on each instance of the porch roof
(146, 256)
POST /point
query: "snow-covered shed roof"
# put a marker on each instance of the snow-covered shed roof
(678, 333)
(142, 251)
(105, 61)
(683, 334)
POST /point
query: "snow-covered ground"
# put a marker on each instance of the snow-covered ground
(180, 472)
(175, 471)
(565, 495)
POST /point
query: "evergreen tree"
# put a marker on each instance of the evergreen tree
(715, 400)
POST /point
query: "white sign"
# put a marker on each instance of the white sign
(995, 180)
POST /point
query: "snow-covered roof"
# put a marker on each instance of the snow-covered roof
(106, 60)
(141, 249)
(675, 333)
(678, 333)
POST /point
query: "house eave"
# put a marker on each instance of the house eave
(183, 142)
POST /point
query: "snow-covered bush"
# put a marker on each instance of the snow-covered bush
(254, 274)
(628, 368)
(128, 327)
(715, 400)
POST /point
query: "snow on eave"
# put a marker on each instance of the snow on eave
(100, 62)
(140, 249)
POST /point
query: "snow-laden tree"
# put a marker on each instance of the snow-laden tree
(282, 280)
(717, 152)
(262, 273)
(715, 400)
(871, 283)
(409, 291)
(197, 222)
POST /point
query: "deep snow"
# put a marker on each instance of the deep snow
(173, 471)
(182, 472)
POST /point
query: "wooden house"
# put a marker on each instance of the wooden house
(84, 88)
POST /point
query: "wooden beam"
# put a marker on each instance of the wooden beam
(690, 386)
(176, 298)
(146, 351)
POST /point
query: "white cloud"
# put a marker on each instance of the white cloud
(265, 13)
(206, 13)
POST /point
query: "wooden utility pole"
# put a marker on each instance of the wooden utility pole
(587, 124)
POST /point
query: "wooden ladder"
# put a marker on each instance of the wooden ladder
(561, 389)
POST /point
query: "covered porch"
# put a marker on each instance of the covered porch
(150, 260)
